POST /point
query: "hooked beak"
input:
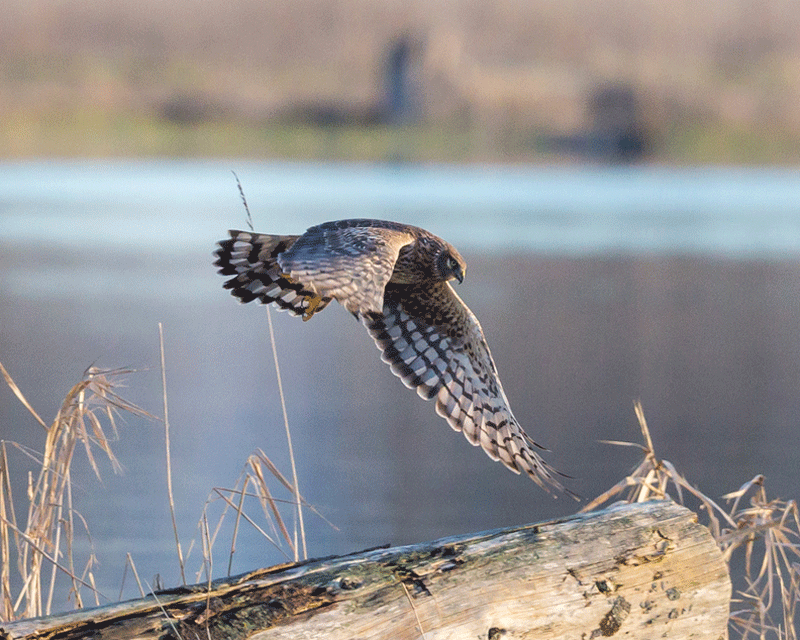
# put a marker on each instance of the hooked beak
(459, 275)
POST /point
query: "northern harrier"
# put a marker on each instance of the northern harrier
(395, 279)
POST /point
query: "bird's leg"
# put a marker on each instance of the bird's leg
(313, 303)
(312, 300)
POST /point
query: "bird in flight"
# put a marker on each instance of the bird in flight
(395, 279)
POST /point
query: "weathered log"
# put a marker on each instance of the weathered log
(644, 570)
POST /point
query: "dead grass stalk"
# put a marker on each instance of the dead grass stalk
(170, 494)
(764, 532)
(45, 537)
(252, 485)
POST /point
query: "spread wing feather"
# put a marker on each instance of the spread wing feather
(350, 263)
(435, 345)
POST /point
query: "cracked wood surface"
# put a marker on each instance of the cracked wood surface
(644, 570)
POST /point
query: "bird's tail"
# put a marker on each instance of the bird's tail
(252, 260)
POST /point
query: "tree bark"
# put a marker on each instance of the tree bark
(645, 570)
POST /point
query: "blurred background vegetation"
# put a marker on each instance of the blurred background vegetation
(434, 80)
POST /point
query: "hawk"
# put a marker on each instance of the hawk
(395, 279)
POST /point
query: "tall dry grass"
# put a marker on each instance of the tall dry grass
(39, 538)
(254, 491)
(41, 544)
(755, 533)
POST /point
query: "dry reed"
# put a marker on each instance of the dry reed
(45, 540)
(41, 542)
(167, 449)
(252, 486)
(765, 532)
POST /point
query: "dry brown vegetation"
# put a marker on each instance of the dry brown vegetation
(762, 535)
(40, 542)
(38, 532)
(718, 80)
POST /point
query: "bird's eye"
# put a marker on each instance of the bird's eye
(452, 263)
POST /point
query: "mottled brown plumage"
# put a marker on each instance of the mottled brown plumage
(395, 278)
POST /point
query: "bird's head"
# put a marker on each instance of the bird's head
(450, 265)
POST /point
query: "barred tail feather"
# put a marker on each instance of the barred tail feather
(251, 258)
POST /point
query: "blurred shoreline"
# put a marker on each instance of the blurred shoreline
(458, 81)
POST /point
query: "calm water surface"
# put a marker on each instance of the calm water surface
(595, 287)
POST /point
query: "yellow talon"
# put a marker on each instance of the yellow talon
(313, 303)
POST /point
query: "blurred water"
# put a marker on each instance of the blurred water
(595, 287)
(591, 210)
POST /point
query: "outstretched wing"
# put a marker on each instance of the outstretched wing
(349, 260)
(435, 345)
(252, 260)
